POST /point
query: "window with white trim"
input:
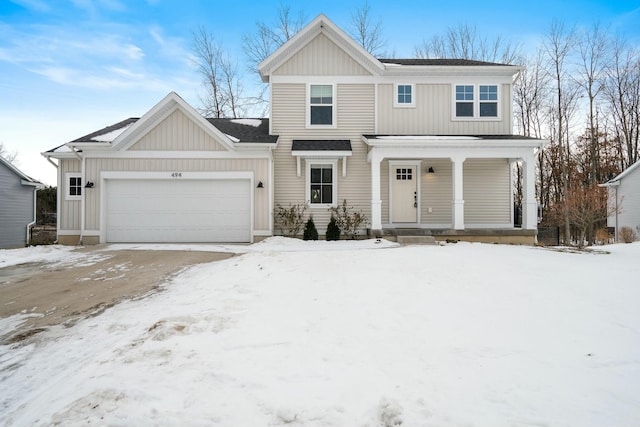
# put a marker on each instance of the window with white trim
(404, 96)
(74, 186)
(321, 183)
(321, 105)
(476, 101)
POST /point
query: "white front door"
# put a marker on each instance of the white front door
(404, 193)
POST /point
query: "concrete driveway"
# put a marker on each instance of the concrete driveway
(62, 293)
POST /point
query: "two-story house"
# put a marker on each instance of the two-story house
(422, 147)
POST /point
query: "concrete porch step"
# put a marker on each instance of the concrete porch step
(416, 240)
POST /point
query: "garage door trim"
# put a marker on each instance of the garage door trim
(177, 175)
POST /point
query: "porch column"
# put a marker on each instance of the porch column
(458, 197)
(376, 200)
(530, 204)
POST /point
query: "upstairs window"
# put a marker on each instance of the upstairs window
(404, 96)
(489, 101)
(321, 105)
(74, 186)
(464, 101)
(479, 102)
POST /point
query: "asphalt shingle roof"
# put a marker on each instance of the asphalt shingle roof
(321, 145)
(436, 61)
(238, 128)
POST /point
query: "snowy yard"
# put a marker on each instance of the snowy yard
(348, 334)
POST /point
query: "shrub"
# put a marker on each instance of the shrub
(333, 231)
(348, 220)
(627, 235)
(289, 220)
(310, 231)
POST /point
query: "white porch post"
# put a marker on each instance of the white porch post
(530, 208)
(458, 196)
(376, 200)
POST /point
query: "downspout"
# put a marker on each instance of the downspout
(615, 238)
(82, 190)
(32, 223)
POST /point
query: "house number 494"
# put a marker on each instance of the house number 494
(176, 175)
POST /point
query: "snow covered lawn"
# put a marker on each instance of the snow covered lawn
(351, 334)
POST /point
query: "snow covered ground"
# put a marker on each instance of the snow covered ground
(350, 334)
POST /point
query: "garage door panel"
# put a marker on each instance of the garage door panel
(179, 210)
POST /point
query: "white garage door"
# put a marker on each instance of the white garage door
(178, 210)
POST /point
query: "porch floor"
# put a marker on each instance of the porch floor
(508, 235)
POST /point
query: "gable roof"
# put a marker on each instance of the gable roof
(627, 171)
(320, 25)
(26, 179)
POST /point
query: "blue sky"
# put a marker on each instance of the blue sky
(69, 67)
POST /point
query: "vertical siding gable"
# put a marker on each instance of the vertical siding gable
(177, 132)
(321, 57)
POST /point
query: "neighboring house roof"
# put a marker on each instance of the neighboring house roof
(321, 145)
(26, 179)
(627, 171)
(437, 61)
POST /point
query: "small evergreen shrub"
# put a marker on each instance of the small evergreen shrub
(628, 235)
(333, 231)
(310, 231)
(348, 220)
(290, 220)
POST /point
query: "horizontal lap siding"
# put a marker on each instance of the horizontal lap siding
(16, 209)
(629, 192)
(260, 167)
(433, 113)
(177, 132)
(487, 192)
(355, 114)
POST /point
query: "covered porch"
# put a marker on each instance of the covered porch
(451, 187)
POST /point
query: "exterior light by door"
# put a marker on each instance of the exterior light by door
(89, 184)
(430, 170)
(260, 184)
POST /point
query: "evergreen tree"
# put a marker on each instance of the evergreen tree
(310, 232)
(333, 231)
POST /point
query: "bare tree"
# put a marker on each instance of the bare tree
(623, 95)
(594, 57)
(557, 46)
(463, 42)
(223, 91)
(10, 156)
(366, 32)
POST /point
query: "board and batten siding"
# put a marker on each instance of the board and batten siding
(355, 116)
(487, 192)
(177, 132)
(321, 57)
(16, 209)
(260, 168)
(70, 209)
(432, 113)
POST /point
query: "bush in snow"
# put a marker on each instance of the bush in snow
(310, 231)
(348, 220)
(333, 231)
(290, 220)
(628, 235)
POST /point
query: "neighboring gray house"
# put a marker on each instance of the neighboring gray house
(421, 147)
(17, 205)
(624, 192)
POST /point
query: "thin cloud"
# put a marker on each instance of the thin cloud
(37, 5)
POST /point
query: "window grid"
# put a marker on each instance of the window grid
(321, 105)
(404, 94)
(75, 186)
(404, 174)
(321, 183)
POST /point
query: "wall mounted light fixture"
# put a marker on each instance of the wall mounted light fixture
(430, 170)
(89, 184)
(260, 184)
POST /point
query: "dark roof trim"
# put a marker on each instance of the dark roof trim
(321, 145)
(483, 137)
(439, 61)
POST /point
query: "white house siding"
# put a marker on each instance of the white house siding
(433, 113)
(260, 168)
(355, 103)
(629, 201)
(70, 210)
(321, 57)
(487, 192)
(177, 132)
